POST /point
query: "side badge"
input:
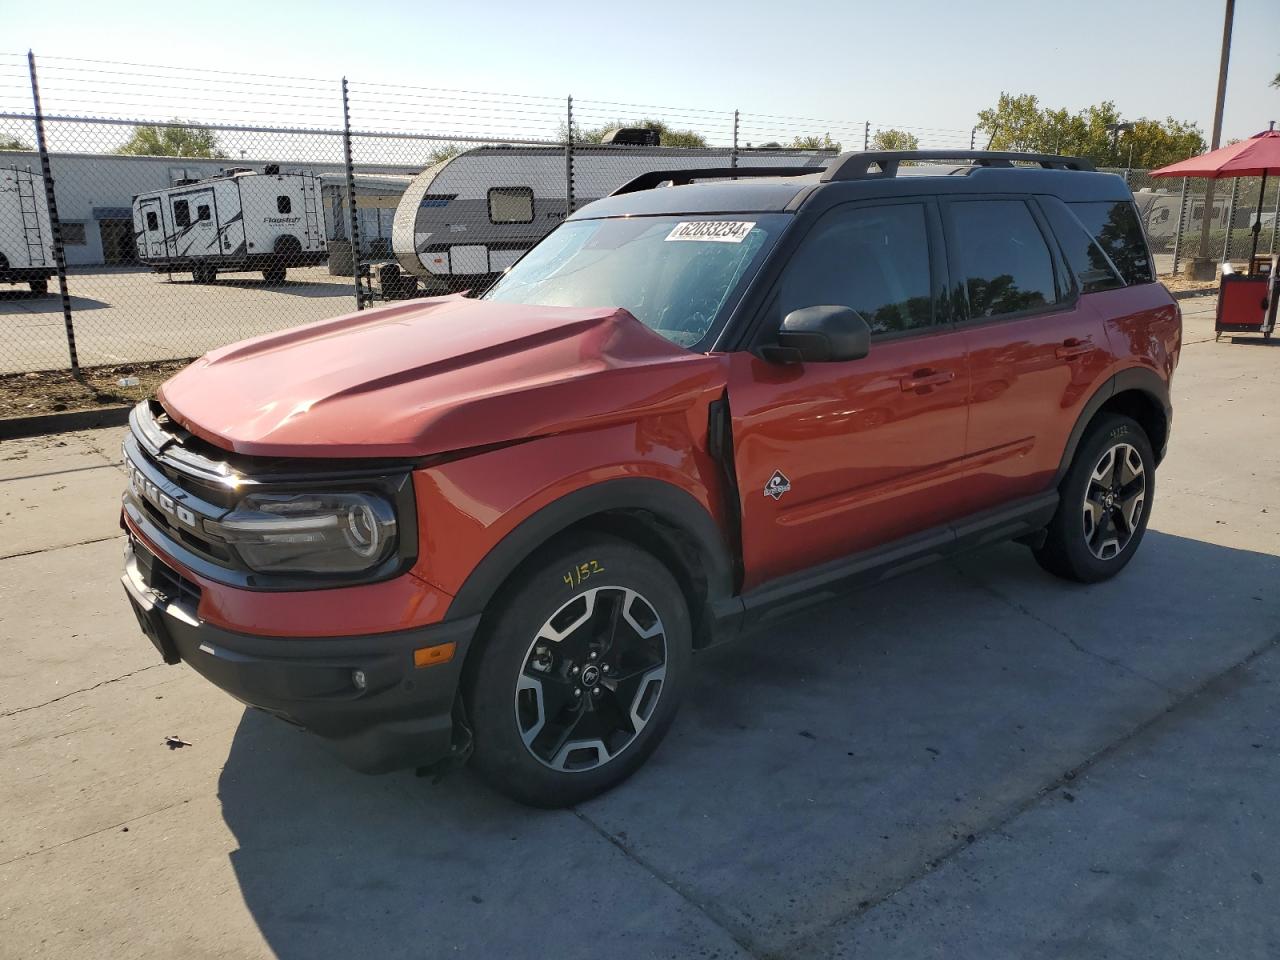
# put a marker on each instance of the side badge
(778, 485)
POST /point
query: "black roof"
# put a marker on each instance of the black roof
(904, 175)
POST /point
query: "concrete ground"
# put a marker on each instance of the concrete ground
(130, 315)
(975, 760)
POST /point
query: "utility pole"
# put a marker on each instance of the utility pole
(1202, 267)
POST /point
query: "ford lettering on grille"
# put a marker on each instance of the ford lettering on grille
(145, 489)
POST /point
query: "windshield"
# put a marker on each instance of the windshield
(679, 276)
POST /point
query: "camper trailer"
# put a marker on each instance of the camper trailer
(1158, 210)
(241, 220)
(465, 220)
(26, 235)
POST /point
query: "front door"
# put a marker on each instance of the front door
(836, 458)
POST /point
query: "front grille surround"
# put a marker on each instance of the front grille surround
(177, 481)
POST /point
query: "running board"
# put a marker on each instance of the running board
(781, 597)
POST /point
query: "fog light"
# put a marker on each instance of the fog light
(359, 679)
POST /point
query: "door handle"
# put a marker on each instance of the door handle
(1073, 348)
(922, 379)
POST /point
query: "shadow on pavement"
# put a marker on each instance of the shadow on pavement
(300, 288)
(19, 301)
(817, 766)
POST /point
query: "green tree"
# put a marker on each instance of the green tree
(669, 136)
(813, 142)
(13, 143)
(155, 141)
(894, 140)
(1021, 123)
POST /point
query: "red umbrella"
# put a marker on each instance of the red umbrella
(1255, 157)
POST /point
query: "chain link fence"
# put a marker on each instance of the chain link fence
(151, 214)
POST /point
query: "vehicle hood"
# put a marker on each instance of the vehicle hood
(433, 376)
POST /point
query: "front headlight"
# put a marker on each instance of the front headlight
(319, 533)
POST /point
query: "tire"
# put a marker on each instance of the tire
(288, 250)
(204, 273)
(40, 287)
(274, 274)
(618, 612)
(1089, 542)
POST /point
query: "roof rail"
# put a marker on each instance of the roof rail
(857, 164)
(678, 178)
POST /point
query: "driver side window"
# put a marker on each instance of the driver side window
(873, 259)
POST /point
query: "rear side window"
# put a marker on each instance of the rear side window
(873, 259)
(1093, 269)
(202, 212)
(283, 204)
(181, 213)
(1114, 225)
(1003, 259)
(511, 205)
(152, 222)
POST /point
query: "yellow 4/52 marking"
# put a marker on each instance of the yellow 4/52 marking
(582, 571)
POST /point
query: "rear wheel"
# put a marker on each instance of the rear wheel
(580, 672)
(39, 287)
(1105, 503)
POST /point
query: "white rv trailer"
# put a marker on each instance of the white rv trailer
(240, 220)
(26, 234)
(465, 220)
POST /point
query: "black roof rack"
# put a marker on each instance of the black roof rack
(857, 164)
(647, 181)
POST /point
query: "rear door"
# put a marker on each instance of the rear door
(151, 239)
(1036, 350)
(836, 458)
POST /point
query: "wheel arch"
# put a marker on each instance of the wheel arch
(1138, 392)
(654, 515)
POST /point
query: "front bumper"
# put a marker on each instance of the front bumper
(402, 717)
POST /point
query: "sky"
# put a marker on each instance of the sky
(925, 64)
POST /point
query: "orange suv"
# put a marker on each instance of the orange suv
(498, 527)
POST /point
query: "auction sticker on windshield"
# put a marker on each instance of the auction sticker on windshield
(714, 231)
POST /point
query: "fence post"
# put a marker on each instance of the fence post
(973, 138)
(1275, 220)
(568, 158)
(866, 135)
(351, 197)
(1182, 213)
(733, 155)
(1231, 216)
(55, 224)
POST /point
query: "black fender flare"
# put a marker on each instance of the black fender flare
(665, 501)
(1142, 379)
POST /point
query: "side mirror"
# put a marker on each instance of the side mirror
(821, 335)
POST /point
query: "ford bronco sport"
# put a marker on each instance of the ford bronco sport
(498, 527)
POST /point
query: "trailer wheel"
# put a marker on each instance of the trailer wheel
(288, 250)
(204, 273)
(274, 274)
(39, 287)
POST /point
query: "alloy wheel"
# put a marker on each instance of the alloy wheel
(591, 679)
(1114, 500)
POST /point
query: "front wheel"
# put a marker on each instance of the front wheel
(580, 672)
(1105, 503)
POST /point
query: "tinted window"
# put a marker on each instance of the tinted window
(1093, 270)
(181, 213)
(202, 212)
(1003, 259)
(1116, 228)
(283, 204)
(511, 205)
(152, 222)
(873, 259)
(73, 234)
